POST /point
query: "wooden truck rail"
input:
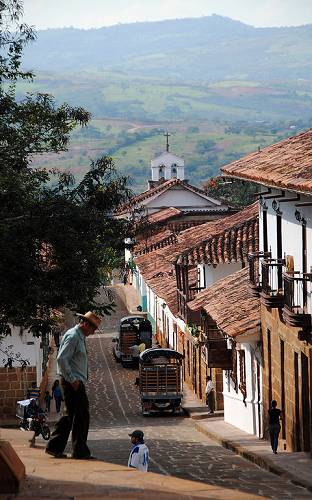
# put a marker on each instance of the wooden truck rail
(127, 340)
(160, 379)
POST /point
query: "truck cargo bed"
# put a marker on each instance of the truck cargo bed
(160, 380)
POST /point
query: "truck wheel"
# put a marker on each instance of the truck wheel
(145, 413)
(45, 432)
(116, 357)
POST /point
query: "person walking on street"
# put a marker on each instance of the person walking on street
(57, 395)
(274, 425)
(47, 400)
(33, 392)
(72, 362)
(210, 398)
(139, 456)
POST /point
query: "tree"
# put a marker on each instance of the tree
(13, 37)
(235, 192)
(59, 240)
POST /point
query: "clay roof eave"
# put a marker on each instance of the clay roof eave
(285, 165)
(265, 183)
(216, 229)
(230, 304)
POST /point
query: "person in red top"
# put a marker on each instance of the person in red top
(274, 425)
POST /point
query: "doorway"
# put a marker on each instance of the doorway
(297, 403)
(195, 369)
(306, 417)
(282, 363)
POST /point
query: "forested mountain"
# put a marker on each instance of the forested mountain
(203, 49)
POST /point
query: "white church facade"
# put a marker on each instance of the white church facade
(168, 188)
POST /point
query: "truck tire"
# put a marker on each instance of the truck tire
(116, 357)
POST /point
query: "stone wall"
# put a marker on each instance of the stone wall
(281, 342)
(14, 383)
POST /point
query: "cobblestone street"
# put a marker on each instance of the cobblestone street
(176, 447)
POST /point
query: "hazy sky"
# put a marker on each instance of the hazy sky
(97, 13)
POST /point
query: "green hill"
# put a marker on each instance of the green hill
(202, 49)
(204, 145)
(221, 87)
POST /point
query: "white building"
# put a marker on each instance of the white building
(203, 256)
(168, 188)
(281, 276)
(21, 345)
(167, 166)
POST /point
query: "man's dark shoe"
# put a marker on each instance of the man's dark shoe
(88, 457)
(55, 454)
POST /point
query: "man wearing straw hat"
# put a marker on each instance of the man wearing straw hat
(72, 364)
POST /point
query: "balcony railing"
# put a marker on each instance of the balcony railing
(255, 281)
(272, 294)
(189, 316)
(295, 299)
(194, 290)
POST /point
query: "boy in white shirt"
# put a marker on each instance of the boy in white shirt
(138, 458)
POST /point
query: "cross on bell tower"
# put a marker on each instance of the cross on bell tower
(166, 165)
(167, 135)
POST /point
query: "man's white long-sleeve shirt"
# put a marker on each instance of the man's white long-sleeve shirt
(209, 387)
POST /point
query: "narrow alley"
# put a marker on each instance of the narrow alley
(176, 447)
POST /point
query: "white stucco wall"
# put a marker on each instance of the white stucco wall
(244, 415)
(151, 304)
(179, 198)
(291, 232)
(128, 255)
(135, 280)
(142, 286)
(167, 172)
(167, 161)
(218, 272)
(23, 342)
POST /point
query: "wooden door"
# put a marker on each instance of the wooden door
(305, 402)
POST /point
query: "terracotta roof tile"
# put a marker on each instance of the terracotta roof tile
(159, 275)
(284, 165)
(164, 186)
(157, 266)
(229, 239)
(206, 242)
(163, 215)
(230, 304)
(158, 240)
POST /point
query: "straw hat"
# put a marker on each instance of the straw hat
(91, 318)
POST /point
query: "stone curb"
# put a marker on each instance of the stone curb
(263, 462)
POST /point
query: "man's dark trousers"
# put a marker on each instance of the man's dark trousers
(77, 420)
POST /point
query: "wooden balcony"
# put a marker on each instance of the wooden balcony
(193, 291)
(295, 300)
(255, 281)
(190, 317)
(217, 353)
(272, 293)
